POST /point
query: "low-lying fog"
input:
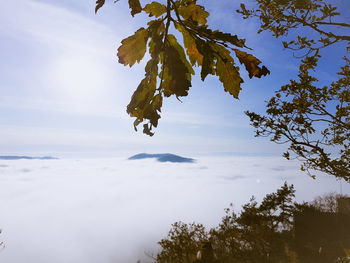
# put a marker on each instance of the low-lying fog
(114, 210)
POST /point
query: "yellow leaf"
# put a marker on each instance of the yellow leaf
(208, 58)
(135, 7)
(224, 53)
(133, 48)
(172, 40)
(144, 104)
(191, 47)
(194, 12)
(251, 63)
(176, 74)
(157, 102)
(155, 9)
(229, 77)
(156, 32)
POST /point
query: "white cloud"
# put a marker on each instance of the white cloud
(112, 210)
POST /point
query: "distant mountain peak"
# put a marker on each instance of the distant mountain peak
(163, 157)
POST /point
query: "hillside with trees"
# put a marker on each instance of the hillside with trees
(278, 229)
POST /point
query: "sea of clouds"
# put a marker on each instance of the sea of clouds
(115, 210)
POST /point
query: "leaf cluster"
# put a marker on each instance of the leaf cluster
(171, 65)
(260, 233)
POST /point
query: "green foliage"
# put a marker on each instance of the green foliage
(260, 233)
(170, 68)
(313, 120)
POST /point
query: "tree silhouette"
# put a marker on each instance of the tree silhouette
(182, 243)
(313, 120)
(276, 230)
(259, 233)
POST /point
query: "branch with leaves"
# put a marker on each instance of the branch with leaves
(313, 121)
(281, 16)
(171, 66)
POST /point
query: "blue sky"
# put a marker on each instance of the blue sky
(63, 91)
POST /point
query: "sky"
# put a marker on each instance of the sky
(64, 93)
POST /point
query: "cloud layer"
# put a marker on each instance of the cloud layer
(113, 210)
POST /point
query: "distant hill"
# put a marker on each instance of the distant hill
(13, 157)
(163, 157)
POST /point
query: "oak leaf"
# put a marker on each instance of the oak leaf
(144, 103)
(251, 64)
(194, 12)
(133, 48)
(229, 76)
(176, 73)
(191, 47)
(155, 9)
(135, 7)
(208, 58)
